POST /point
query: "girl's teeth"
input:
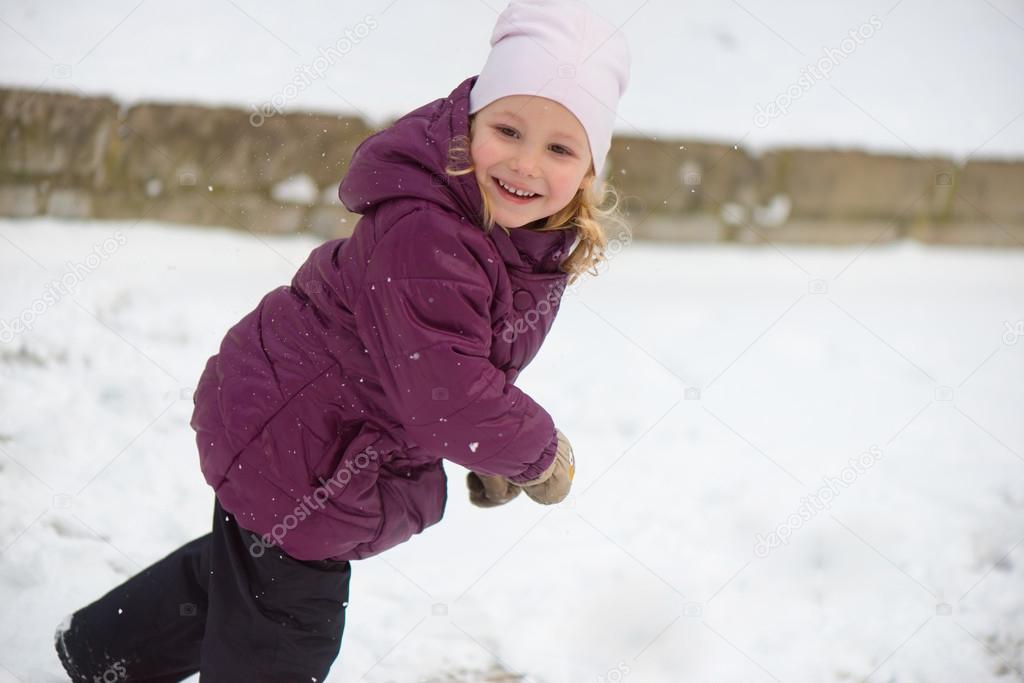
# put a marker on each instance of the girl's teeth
(518, 193)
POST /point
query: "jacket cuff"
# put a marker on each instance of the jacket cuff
(539, 466)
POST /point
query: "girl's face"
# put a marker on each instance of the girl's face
(530, 143)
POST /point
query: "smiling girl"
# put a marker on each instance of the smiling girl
(323, 421)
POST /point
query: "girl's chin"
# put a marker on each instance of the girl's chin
(513, 219)
(512, 225)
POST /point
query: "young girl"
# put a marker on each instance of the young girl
(323, 420)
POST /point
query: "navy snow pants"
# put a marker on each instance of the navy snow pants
(214, 607)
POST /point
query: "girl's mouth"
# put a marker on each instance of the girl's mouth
(511, 197)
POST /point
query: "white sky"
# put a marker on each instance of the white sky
(936, 77)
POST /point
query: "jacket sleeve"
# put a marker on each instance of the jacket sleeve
(424, 317)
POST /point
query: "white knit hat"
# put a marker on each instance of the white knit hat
(561, 50)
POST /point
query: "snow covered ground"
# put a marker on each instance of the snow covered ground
(713, 394)
(924, 77)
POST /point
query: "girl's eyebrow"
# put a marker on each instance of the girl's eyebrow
(558, 134)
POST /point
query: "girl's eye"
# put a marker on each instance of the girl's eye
(564, 151)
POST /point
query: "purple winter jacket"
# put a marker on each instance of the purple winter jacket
(323, 420)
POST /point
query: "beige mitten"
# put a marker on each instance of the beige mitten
(488, 491)
(553, 486)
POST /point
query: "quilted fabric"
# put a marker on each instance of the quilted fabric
(324, 417)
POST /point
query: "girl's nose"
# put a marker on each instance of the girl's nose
(526, 164)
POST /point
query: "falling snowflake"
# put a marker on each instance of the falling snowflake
(473, 446)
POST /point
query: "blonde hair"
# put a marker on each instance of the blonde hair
(586, 211)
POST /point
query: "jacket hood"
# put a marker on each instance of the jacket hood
(407, 160)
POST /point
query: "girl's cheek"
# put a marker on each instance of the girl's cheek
(488, 149)
(564, 181)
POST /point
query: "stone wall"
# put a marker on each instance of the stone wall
(77, 157)
(815, 196)
(71, 156)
